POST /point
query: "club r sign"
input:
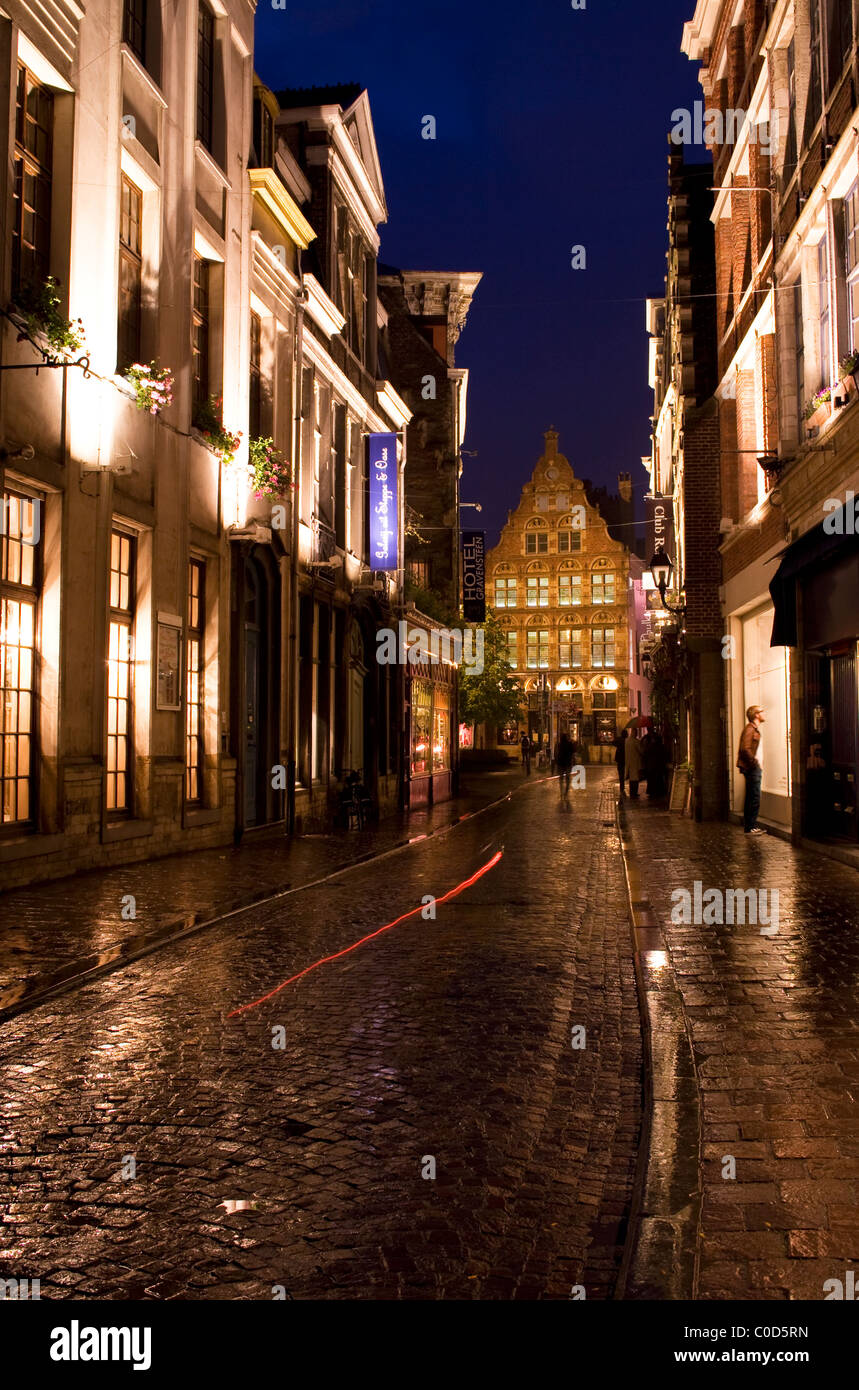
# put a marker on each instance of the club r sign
(474, 576)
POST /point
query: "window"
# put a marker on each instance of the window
(605, 699)
(536, 543)
(790, 152)
(255, 419)
(823, 302)
(570, 649)
(134, 27)
(569, 540)
(538, 651)
(569, 590)
(602, 588)
(421, 710)
(263, 134)
(441, 729)
(562, 501)
(840, 43)
(130, 274)
(19, 580)
(513, 649)
(200, 331)
(418, 572)
(602, 647)
(120, 672)
(31, 224)
(538, 591)
(194, 681)
(851, 234)
(205, 75)
(799, 344)
(814, 107)
(505, 593)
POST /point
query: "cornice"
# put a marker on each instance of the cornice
(267, 188)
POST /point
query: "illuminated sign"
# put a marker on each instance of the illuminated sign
(474, 576)
(384, 514)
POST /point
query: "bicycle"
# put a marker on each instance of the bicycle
(356, 804)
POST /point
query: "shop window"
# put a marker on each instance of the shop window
(441, 730)
(421, 709)
(194, 681)
(33, 162)
(130, 274)
(20, 557)
(120, 673)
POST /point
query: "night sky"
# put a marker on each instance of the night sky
(552, 129)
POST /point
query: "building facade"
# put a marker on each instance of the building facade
(685, 647)
(787, 254)
(570, 600)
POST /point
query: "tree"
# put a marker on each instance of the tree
(491, 696)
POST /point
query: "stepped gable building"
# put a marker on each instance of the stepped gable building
(569, 598)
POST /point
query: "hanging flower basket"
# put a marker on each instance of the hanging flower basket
(271, 473)
(153, 386)
(207, 418)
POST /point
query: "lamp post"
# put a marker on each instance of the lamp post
(662, 569)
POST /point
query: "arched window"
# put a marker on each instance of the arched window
(536, 537)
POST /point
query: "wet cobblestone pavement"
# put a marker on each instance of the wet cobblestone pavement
(446, 1038)
(774, 1026)
(66, 919)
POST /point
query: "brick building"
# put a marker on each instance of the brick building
(569, 597)
(786, 218)
(684, 468)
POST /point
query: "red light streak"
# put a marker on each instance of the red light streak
(453, 893)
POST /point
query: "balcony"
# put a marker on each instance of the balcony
(323, 542)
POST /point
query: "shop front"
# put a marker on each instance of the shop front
(430, 693)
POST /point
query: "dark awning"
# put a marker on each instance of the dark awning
(821, 545)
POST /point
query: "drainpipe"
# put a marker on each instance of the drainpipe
(293, 658)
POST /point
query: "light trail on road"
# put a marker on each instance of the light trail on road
(452, 893)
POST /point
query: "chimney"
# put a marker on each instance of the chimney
(624, 486)
(551, 438)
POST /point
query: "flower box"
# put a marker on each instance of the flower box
(819, 416)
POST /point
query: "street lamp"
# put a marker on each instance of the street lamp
(476, 505)
(661, 568)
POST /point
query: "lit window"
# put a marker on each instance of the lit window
(538, 651)
(20, 534)
(512, 650)
(120, 661)
(505, 593)
(570, 649)
(602, 588)
(538, 591)
(33, 157)
(602, 647)
(130, 274)
(194, 682)
(851, 217)
(569, 590)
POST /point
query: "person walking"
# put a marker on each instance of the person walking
(564, 754)
(620, 757)
(526, 754)
(747, 762)
(633, 765)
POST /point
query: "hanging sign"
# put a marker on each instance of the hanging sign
(474, 576)
(384, 515)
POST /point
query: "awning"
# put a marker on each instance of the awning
(822, 545)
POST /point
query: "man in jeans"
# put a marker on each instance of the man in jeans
(747, 762)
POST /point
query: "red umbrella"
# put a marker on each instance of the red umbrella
(641, 721)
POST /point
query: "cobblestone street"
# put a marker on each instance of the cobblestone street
(447, 1039)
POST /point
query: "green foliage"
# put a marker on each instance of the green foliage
(271, 473)
(39, 306)
(433, 605)
(207, 417)
(669, 673)
(492, 696)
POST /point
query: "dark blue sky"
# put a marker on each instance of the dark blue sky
(552, 129)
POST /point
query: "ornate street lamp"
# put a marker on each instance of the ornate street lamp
(661, 568)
